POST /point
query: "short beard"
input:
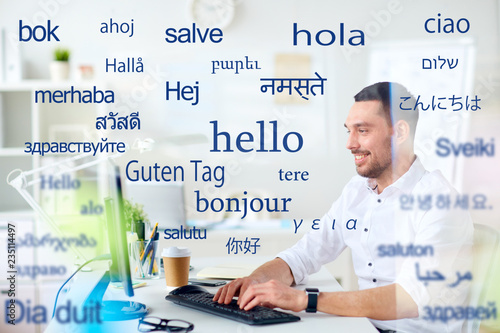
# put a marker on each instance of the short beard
(379, 167)
(375, 171)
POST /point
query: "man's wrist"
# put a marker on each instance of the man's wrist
(303, 300)
(258, 277)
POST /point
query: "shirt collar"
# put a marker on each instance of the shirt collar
(407, 181)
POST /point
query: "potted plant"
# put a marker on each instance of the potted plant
(59, 68)
(133, 212)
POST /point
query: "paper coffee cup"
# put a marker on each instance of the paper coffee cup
(176, 265)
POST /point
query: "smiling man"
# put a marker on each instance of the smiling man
(393, 293)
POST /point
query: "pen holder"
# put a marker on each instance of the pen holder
(145, 259)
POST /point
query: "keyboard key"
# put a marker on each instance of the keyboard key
(198, 298)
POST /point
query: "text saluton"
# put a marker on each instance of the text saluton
(409, 250)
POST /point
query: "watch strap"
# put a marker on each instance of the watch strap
(312, 299)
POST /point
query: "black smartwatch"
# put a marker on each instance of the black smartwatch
(312, 299)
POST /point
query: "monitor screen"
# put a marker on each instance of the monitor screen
(115, 218)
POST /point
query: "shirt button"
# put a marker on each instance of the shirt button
(370, 264)
(374, 280)
(379, 200)
(366, 229)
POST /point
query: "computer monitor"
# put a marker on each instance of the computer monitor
(119, 270)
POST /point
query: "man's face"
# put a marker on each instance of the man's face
(369, 139)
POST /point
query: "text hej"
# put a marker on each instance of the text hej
(184, 93)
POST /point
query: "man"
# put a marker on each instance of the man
(369, 219)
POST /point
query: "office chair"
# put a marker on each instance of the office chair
(486, 241)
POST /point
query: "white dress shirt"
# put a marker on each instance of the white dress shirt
(370, 223)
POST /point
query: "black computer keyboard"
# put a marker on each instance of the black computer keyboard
(199, 298)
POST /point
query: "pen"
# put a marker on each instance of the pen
(149, 245)
(147, 249)
(153, 261)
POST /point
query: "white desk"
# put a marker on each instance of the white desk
(153, 295)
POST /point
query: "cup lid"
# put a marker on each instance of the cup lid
(176, 252)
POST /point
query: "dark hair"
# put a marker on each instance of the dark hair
(392, 95)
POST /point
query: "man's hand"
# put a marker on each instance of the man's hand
(273, 294)
(276, 269)
(237, 287)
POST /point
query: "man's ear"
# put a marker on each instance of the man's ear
(401, 131)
